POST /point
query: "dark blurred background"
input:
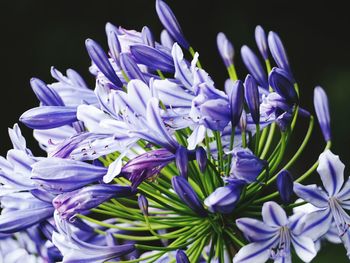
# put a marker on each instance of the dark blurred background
(38, 34)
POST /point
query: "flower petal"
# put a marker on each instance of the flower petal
(312, 194)
(304, 247)
(317, 223)
(331, 170)
(256, 230)
(273, 214)
(258, 252)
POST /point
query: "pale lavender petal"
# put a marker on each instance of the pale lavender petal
(182, 71)
(312, 194)
(261, 42)
(317, 223)
(304, 247)
(166, 39)
(256, 230)
(258, 252)
(225, 48)
(331, 170)
(273, 214)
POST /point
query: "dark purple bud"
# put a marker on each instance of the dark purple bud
(261, 42)
(322, 112)
(146, 166)
(254, 66)
(48, 117)
(113, 42)
(147, 37)
(153, 58)
(225, 48)
(46, 95)
(166, 40)
(236, 99)
(188, 195)
(281, 81)
(245, 165)
(143, 204)
(100, 59)
(181, 159)
(285, 186)
(169, 21)
(130, 67)
(181, 257)
(278, 52)
(224, 199)
(84, 199)
(252, 98)
(201, 157)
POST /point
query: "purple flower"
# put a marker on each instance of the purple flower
(75, 250)
(170, 23)
(82, 200)
(236, 99)
(332, 201)
(181, 160)
(261, 42)
(281, 81)
(322, 112)
(147, 37)
(130, 67)
(225, 48)
(100, 59)
(224, 199)
(188, 195)
(252, 98)
(48, 117)
(273, 237)
(254, 66)
(181, 257)
(245, 165)
(21, 211)
(146, 165)
(285, 186)
(153, 58)
(46, 95)
(278, 52)
(63, 175)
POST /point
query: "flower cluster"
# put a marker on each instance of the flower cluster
(158, 163)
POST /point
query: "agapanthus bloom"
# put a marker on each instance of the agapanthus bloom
(158, 162)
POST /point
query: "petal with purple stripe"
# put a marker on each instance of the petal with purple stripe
(312, 194)
(331, 170)
(274, 215)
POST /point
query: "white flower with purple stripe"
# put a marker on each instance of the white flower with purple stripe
(272, 238)
(332, 201)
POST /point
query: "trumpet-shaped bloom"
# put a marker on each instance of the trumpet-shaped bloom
(332, 201)
(274, 237)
